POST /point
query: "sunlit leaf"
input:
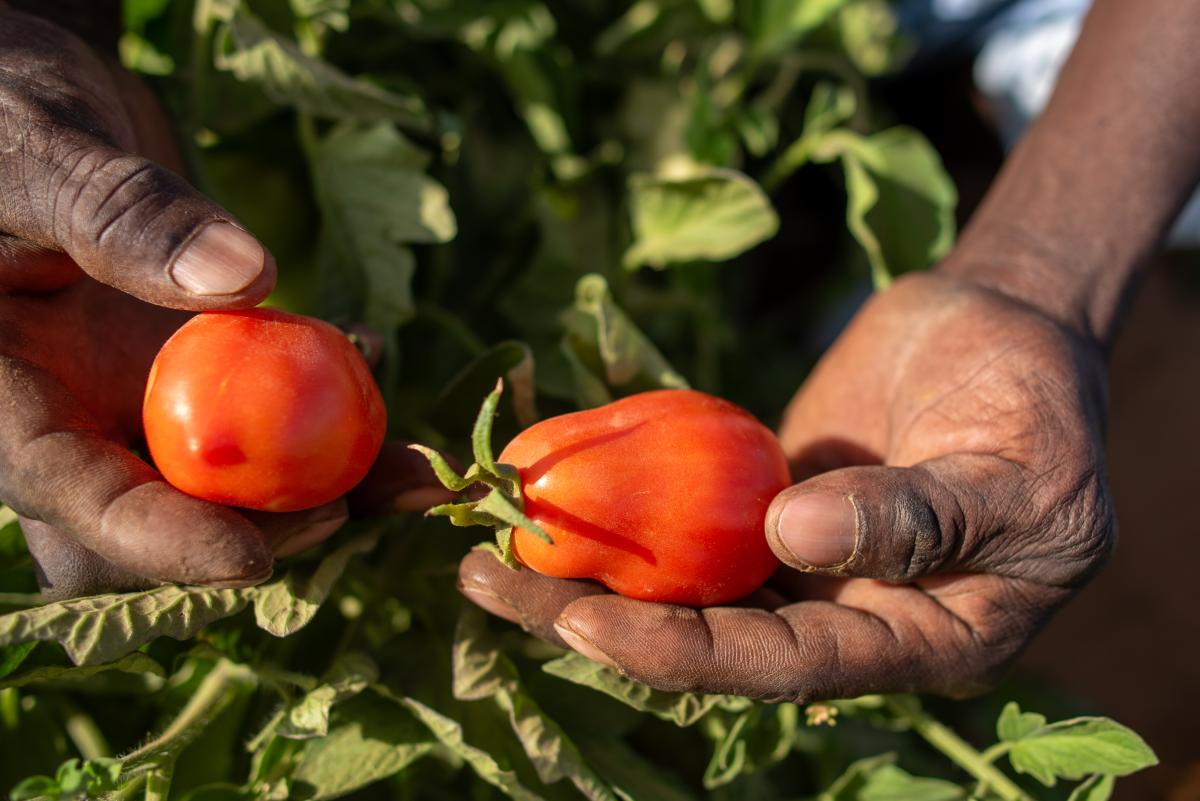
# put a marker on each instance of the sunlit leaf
(901, 202)
(710, 215)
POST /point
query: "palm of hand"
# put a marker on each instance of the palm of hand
(965, 428)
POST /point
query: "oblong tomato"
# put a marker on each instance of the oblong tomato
(660, 496)
(262, 409)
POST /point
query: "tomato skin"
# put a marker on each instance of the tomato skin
(262, 409)
(660, 496)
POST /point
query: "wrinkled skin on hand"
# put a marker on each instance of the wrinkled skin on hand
(91, 223)
(953, 437)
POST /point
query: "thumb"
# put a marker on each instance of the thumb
(888, 523)
(135, 226)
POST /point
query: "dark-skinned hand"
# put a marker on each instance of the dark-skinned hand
(951, 496)
(104, 251)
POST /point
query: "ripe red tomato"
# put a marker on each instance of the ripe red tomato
(660, 496)
(262, 409)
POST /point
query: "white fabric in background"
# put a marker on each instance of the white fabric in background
(1021, 48)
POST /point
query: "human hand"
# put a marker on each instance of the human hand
(951, 496)
(100, 246)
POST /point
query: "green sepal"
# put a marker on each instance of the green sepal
(499, 506)
(503, 548)
(503, 508)
(461, 514)
(442, 469)
(481, 436)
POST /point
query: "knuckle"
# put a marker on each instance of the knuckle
(932, 524)
(100, 190)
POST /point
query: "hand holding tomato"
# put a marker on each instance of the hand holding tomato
(98, 245)
(952, 496)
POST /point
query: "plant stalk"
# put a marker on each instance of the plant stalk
(215, 692)
(957, 749)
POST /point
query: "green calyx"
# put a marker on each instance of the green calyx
(503, 506)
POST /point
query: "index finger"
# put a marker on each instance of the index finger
(58, 468)
(875, 638)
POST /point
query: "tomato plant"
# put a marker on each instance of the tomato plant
(659, 496)
(262, 409)
(593, 200)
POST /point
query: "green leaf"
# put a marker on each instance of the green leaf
(829, 106)
(11, 657)
(776, 25)
(323, 16)
(139, 55)
(638, 18)
(890, 783)
(717, 11)
(244, 46)
(599, 333)
(449, 733)
(34, 787)
(73, 779)
(1096, 788)
(286, 606)
(1072, 749)
(309, 716)
(900, 200)
(375, 198)
(848, 786)
(135, 662)
(755, 738)
(729, 756)
(868, 32)
(367, 741)
(1013, 724)
(632, 776)
(708, 214)
(482, 671)
(103, 628)
(510, 360)
(682, 709)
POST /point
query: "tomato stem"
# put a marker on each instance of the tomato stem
(956, 748)
(503, 508)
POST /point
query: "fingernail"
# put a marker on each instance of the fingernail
(491, 603)
(818, 529)
(220, 260)
(582, 646)
(308, 537)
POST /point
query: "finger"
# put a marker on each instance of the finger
(290, 533)
(55, 467)
(135, 226)
(401, 480)
(803, 652)
(894, 523)
(524, 597)
(25, 267)
(69, 184)
(65, 569)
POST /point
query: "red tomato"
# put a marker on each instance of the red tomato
(660, 496)
(262, 409)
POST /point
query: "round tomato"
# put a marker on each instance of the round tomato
(660, 496)
(262, 409)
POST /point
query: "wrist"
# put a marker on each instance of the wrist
(1081, 290)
